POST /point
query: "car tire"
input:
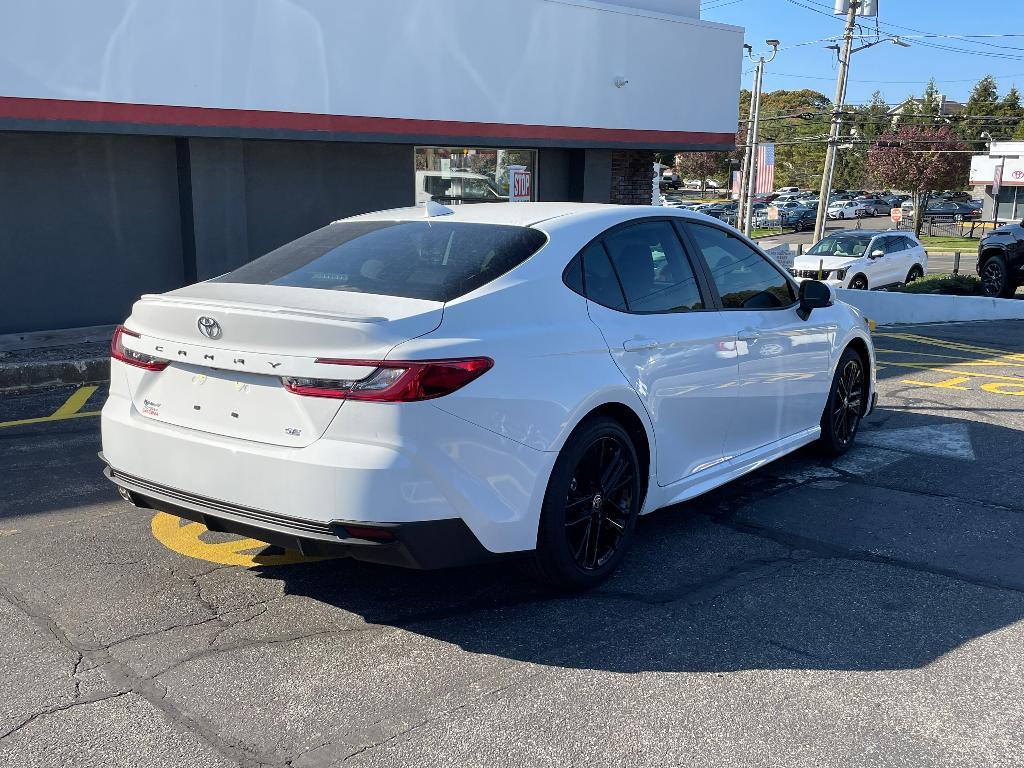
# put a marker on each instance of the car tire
(590, 508)
(845, 406)
(915, 273)
(859, 283)
(995, 281)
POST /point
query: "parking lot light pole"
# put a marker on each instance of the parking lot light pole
(837, 116)
(837, 109)
(749, 184)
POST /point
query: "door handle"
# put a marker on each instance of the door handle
(747, 334)
(639, 345)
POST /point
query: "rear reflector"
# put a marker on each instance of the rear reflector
(139, 359)
(395, 381)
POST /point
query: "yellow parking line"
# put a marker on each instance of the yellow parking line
(980, 361)
(939, 369)
(954, 345)
(70, 409)
(74, 403)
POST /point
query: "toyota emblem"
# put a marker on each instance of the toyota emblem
(209, 327)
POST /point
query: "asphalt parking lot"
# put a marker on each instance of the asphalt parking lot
(860, 612)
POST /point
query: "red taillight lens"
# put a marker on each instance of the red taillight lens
(139, 359)
(395, 381)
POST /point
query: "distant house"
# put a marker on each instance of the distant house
(946, 108)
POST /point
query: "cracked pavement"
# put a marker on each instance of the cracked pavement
(859, 612)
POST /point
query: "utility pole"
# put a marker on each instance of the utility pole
(837, 119)
(748, 180)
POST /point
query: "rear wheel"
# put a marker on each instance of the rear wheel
(590, 507)
(915, 273)
(994, 278)
(845, 407)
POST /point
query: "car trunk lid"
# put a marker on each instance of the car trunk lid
(229, 345)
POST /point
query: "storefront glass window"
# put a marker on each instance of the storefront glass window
(1011, 203)
(452, 175)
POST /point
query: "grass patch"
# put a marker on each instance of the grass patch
(946, 285)
(938, 243)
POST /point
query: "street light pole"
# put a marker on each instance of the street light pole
(837, 117)
(749, 182)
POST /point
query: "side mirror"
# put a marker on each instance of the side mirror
(877, 254)
(813, 295)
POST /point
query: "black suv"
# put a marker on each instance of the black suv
(1001, 261)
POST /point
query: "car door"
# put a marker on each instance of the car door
(668, 340)
(783, 361)
(892, 267)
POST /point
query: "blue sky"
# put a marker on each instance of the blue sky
(900, 72)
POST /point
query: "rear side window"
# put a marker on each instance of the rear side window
(437, 261)
(599, 278)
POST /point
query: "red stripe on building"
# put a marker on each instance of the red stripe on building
(15, 108)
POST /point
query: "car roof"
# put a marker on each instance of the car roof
(516, 214)
(531, 214)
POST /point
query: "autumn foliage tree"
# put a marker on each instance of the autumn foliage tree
(703, 166)
(918, 159)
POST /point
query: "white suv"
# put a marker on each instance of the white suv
(864, 260)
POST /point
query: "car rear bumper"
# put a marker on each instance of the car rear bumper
(380, 465)
(427, 544)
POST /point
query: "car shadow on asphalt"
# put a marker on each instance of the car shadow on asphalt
(885, 559)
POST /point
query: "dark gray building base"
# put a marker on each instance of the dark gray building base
(91, 221)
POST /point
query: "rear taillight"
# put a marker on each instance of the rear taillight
(139, 359)
(395, 381)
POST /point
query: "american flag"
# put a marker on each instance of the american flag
(765, 169)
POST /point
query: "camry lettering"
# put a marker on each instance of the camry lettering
(274, 365)
(207, 357)
(182, 353)
(239, 361)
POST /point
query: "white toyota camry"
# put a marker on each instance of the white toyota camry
(430, 387)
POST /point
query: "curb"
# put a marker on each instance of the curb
(54, 372)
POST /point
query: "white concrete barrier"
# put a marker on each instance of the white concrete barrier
(903, 308)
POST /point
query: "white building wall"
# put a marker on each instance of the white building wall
(522, 62)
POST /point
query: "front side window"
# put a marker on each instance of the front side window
(433, 260)
(653, 269)
(745, 279)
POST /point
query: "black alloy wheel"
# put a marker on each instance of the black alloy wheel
(859, 283)
(846, 404)
(915, 273)
(590, 508)
(599, 502)
(994, 280)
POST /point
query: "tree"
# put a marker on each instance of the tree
(865, 125)
(1011, 115)
(796, 121)
(702, 165)
(931, 100)
(919, 158)
(982, 102)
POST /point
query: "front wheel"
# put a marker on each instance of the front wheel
(590, 508)
(995, 281)
(859, 283)
(845, 406)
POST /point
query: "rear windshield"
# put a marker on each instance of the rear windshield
(437, 261)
